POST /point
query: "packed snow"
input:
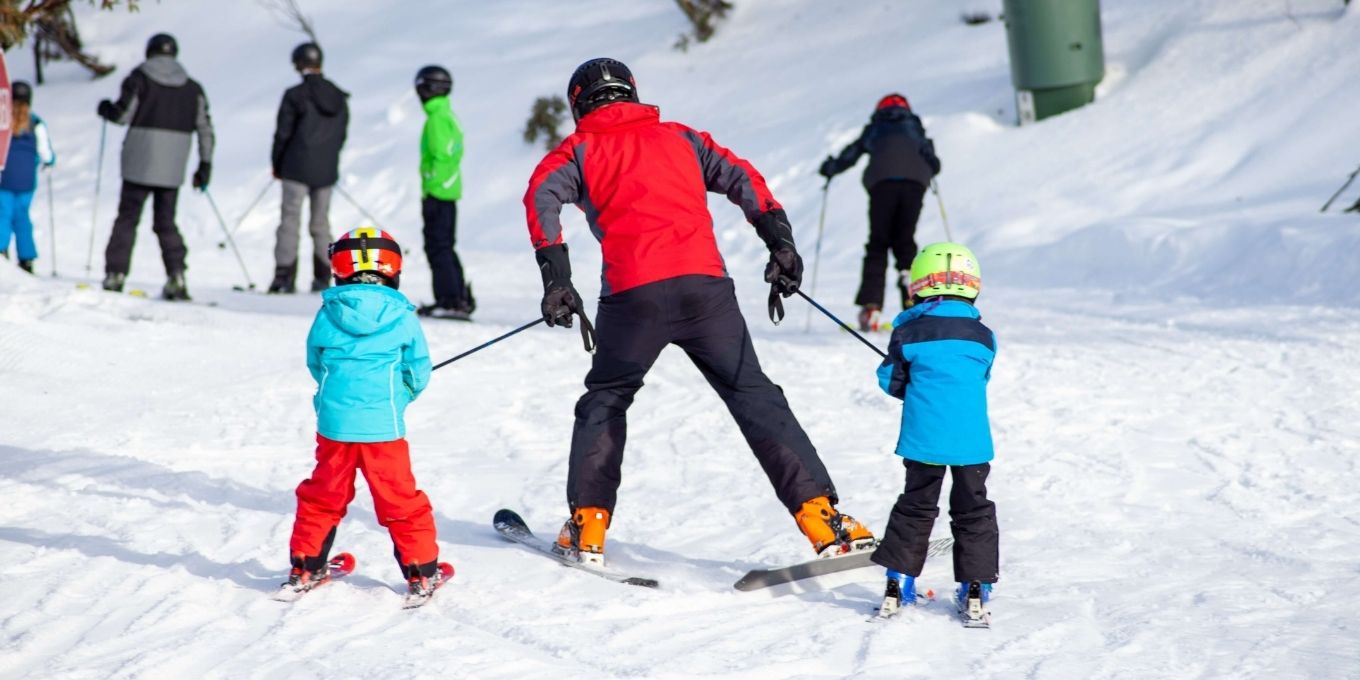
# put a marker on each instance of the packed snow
(1173, 401)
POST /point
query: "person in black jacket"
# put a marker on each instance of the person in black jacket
(313, 121)
(902, 163)
(163, 108)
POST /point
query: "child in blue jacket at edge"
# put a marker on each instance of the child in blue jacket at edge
(370, 360)
(939, 362)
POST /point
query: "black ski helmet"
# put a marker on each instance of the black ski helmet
(162, 44)
(307, 55)
(21, 91)
(598, 82)
(433, 81)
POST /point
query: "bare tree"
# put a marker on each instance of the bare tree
(290, 14)
(545, 116)
(51, 22)
(703, 15)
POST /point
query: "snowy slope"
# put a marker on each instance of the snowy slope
(1177, 438)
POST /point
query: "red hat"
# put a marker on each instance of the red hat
(892, 100)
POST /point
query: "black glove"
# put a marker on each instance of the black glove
(202, 174)
(934, 164)
(828, 169)
(109, 111)
(785, 269)
(560, 299)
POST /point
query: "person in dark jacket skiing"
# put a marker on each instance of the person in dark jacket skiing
(902, 163)
(163, 108)
(642, 185)
(30, 146)
(312, 124)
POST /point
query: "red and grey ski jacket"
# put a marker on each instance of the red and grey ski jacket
(642, 184)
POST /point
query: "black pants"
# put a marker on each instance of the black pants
(118, 254)
(894, 208)
(441, 225)
(973, 522)
(699, 314)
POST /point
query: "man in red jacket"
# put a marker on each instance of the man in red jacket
(642, 184)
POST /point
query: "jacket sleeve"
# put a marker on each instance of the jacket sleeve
(443, 149)
(927, 147)
(726, 173)
(128, 96)
(46, 154)
(849, 156)
(283, 130)
(314, 348)
(415, 355)
(556, 181)
(203, 125)
(895, 372)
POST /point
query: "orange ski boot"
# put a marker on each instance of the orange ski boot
(832, 533)
(582, 536)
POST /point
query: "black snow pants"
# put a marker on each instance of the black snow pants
(894, 208)
(973, 522)
(118, 254)
(699, 314)
(441, 224)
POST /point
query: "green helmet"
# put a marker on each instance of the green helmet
(945, 269)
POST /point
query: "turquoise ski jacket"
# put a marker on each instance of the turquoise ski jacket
(368, 356)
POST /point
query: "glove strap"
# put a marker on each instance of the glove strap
(587, 332)
(776, 305)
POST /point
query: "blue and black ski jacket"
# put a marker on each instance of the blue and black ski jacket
(939, 362)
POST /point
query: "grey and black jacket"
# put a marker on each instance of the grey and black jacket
(312, 122)
(898, 148)
(163, 107)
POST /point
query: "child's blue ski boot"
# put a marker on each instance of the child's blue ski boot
(901, 591)
(971, 598)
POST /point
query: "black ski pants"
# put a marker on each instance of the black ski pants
(973, 522)
(118, 254)
(441, 225)
(699, 314)
(894, 208)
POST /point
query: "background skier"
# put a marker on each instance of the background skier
(163, 108)
(902, 162)
(441, 153)
(30, 146)
(642, 185)
(312, 125)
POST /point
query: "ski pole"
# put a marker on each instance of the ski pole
(51, 225)
(817, 251)
(358, 207)
(935, 188)
(230, 240)
(94, 210)
(842, 324)
(244, 215)
(1350, 179)
(487, 344)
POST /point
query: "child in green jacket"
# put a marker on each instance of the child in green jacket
(441, 152)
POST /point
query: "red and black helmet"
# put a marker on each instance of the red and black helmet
(366, 249)
(893, 100)
(598, 82)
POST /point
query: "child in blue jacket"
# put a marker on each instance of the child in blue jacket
(369, 358)
(29, 147)
(939, 362)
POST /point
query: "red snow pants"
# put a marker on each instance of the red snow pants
(402, 509)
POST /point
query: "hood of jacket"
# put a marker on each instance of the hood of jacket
(364, 308)
(329, 99)
(891, 114)
(164, 70)
(619, 115)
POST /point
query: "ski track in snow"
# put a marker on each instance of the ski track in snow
(1173, 400)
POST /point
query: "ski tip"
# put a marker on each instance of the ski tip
(508, 516)
(446, 570)
(344, 562)
(644, 582)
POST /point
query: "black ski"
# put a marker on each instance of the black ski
(764, 578)
(512, 527)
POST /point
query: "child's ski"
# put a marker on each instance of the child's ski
(973, 612)
(764, 578)
(414, 600)
(512, 527)
(339, 566)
